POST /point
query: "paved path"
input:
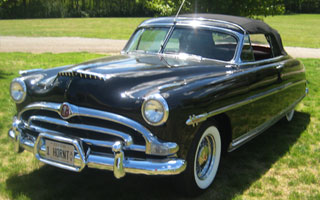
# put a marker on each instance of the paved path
(93, 45)
(59, 44)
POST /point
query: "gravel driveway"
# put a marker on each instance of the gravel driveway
(93, 45)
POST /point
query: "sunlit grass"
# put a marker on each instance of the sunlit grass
(283, 163)
(111, 28)
(296, 30)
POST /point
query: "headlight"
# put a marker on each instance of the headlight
(155, 110)
(18, 90)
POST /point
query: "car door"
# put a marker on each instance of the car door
(264, 76)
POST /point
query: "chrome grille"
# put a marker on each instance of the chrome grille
(97, 129)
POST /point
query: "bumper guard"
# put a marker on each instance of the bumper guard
(118, 163)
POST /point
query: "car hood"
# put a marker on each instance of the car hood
(123, 81)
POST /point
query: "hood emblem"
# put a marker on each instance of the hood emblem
(65, 110)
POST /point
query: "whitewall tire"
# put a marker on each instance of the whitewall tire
(202, 161)
(207, 157)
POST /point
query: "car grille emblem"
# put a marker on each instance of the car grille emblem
(65, 110)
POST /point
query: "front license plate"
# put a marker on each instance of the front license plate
(60, 152)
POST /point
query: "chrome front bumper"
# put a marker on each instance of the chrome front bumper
(118, 163)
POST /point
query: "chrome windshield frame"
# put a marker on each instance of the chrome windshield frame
(190, 24)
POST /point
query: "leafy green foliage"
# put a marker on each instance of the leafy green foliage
(107, 8)
(302, 6)
(241, 8)
(115, 8)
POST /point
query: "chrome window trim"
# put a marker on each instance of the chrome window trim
(183, 19)
(213, 20)
(261, 62)
(238, 36)
(257, 62)
(196, 119)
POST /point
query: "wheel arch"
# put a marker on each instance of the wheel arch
(224, 126)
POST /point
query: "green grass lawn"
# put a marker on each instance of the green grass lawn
(111, 28)
(282, 163)
(296, 30)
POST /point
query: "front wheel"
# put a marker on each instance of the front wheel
(203, 160)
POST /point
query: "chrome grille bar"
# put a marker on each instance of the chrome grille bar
(99, 143)
(127, 138)
(92, 113)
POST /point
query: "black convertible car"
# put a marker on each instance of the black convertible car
(183, 91)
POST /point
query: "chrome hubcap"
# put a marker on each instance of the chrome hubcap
(205, 157)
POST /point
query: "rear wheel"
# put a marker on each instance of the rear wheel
(203, 160)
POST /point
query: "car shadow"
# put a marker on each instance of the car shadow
(237, 172)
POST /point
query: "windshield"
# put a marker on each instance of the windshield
(200, 42)
(148, 40)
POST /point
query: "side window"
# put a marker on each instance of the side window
(223, 39)
(202, 42)
(135, 39)
(247, 52)
(261, 47)
(275, 46)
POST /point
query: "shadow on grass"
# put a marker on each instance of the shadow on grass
(238, 171)
(4, 74)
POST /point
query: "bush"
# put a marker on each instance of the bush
(138, 8)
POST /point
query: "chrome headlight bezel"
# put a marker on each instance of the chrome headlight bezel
(157, 98)
(23, 86)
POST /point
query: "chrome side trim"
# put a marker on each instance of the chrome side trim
(153, 146)
(238, 142)
(194, 120)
